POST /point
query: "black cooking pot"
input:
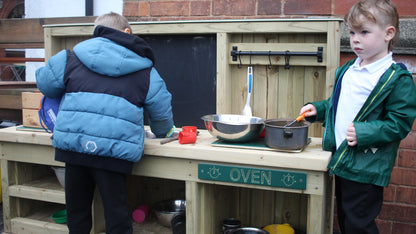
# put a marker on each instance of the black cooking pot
(293, 137)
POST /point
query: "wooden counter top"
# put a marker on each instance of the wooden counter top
(312, 158)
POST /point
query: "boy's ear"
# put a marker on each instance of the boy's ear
(390, 33)
(127, 30)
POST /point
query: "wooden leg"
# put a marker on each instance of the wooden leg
(316, 214)
(192, 211)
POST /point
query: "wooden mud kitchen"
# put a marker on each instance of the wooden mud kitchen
(293, 60)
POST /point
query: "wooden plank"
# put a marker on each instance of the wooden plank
(193, 215)
(31, 100)
(30, 31)
(7, 85)
(260, 78)
(329, 203)
(333, 47)
(316, 214)
(41, 194)
(313, 158)
(239, 79)
(37, 154)
(5, 173)
(243, 26)
(28, 226)
(11, 102)
(30, 118)
(20, 60)
(223, 74)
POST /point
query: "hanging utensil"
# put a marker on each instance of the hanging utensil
(247, 108)
(298, 119)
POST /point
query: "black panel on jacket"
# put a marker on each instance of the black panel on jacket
(133, 87)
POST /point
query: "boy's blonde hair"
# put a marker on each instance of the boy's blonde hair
(381, 12)
(112, 20)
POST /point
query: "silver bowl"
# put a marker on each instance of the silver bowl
(248, 230)
(60, 174)
(166, 210)
(234, 128)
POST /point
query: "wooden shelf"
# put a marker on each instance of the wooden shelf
(39, 221)
(30, 225)
(47, 189)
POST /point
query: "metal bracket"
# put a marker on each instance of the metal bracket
(235, 53)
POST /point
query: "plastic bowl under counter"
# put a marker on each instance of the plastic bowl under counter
(59, 217)
(60, 174)
(166, 210)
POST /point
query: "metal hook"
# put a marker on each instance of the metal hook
(270, 61)
(240, 65)
(250, 58)
(287, 57)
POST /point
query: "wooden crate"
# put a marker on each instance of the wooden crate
(30, 106)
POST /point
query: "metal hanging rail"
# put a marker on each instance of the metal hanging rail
(237, 54)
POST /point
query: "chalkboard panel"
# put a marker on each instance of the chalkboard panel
(187, 63)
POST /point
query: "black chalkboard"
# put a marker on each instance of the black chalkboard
(187, 63)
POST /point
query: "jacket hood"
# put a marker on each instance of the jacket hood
(114, 53)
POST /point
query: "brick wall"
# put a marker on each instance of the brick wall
(8, 6)
(398, 215)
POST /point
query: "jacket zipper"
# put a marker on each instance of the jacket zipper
(336, 164)
(372, 100)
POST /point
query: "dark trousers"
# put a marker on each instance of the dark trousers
(80, 185)
(358, 205)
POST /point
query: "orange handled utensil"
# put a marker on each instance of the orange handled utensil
(298, 119)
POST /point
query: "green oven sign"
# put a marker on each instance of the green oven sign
(255, 176)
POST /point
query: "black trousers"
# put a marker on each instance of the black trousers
(358, 205)
(80, 183)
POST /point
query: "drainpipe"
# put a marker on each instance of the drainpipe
(89, 7)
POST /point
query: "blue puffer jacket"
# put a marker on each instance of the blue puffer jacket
(106, 83)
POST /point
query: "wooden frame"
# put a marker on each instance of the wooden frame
(277, 92)
(28, 184)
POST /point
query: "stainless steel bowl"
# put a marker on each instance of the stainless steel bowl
(234, 128)
(166, 210)
(249, 230)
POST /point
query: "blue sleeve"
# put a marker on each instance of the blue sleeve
(158, 105)
(50, 78)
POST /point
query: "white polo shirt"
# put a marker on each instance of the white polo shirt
(357, 84)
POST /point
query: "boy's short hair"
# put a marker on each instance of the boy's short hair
(112, 20)
(381, 12)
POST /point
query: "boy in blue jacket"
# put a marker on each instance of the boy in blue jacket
(372, 108)
(105, 82)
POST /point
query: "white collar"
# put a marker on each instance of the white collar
(386, 61)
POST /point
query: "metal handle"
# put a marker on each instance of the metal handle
(167, 140)
(287, 133)
(250, 78)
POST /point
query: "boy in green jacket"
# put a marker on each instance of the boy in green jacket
(372, 108)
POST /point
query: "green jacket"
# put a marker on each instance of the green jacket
(384, 120)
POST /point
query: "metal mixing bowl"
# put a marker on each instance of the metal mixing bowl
(248, 230)
(234, 128)
(166, 210)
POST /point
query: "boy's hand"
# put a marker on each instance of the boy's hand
(309, 109)
(351, 135)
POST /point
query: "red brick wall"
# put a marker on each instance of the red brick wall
(8, 5)
(399, 210)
